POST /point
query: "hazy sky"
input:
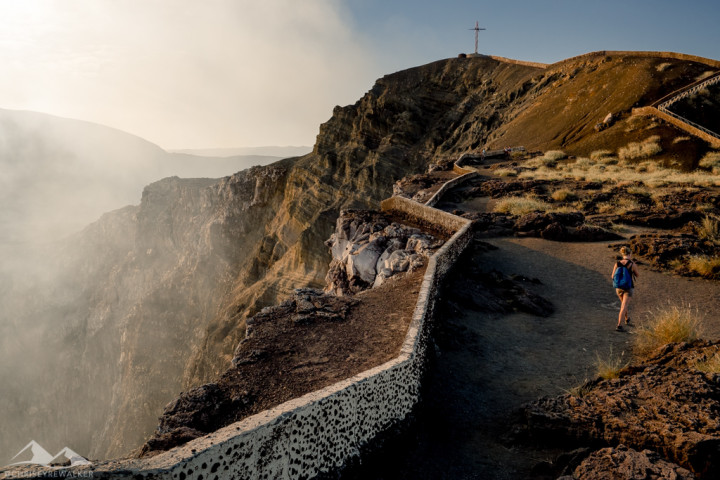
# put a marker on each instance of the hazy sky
(228, 73)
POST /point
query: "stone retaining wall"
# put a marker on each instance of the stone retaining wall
(318, 432)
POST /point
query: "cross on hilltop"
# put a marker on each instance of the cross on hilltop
(477, 29)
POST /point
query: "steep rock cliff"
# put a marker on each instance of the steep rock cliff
(152, 299)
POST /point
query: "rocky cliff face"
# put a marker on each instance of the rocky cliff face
(152, 299)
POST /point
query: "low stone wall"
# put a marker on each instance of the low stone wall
(431, 215)
(450, 184)
(318, 432)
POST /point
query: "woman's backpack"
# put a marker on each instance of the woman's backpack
(622, 278)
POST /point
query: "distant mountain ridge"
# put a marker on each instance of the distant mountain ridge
(268, 151)
(60, 174)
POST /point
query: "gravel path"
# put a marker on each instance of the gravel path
(486, 366)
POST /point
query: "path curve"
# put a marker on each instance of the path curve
(486, 366)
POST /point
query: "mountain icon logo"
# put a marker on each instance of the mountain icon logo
(34, 454)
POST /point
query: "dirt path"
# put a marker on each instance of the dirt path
(486, 366)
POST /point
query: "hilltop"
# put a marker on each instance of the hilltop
(155, 297)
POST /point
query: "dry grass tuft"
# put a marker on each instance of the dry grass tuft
(638, 150)
(555, 155)
(671, 324)
(610, 367)
(599, 155)
(709, 229)
(710, 365)
(506, 172)
(705, 266)
(563, 195)
(580, 390)
(520, 205)
(711, 161)
(662, 67)
(681, 139)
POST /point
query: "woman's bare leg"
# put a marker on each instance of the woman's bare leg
(624, 308)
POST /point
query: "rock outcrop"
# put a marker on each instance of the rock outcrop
(565, 227)
(622, 463)
(666, 404)
(367, 249)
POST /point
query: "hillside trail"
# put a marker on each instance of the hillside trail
(485, 366)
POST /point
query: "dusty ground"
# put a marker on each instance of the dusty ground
(285, 358)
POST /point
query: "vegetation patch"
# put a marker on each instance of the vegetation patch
(709, 229)
(705, 265)
(506, 172)
(610, 367)
(521, 205)
(563, 195)
(639, 150)
(710, 365)
(671, 324)
(711, 161)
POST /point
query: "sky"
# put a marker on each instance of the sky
(246, 73)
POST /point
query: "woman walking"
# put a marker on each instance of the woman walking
(624, 274)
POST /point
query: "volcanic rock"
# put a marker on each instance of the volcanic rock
(623, 463)
(666, 404)
(367, 250)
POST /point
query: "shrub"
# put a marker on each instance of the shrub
(645, 149)
(580, 390)
(709, 229)
(710, 365)
(506, 172)
(705, 266)
(520, 205)
(670, 324)
(601, 154)
(610, 367)
(711, 161)
(563, 195)
(680, 139)
(554, 155)
(704, 75)
(662, 67)
(625, 205)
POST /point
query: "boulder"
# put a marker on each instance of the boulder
(363, 258)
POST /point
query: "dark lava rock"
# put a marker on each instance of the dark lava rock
(562, 227)
(623, 463)
(497, 188)
(665, 220)
(491, 224)
(495, 291)
(305, 306)
(540, 220)
(661, 249)
(665, 404)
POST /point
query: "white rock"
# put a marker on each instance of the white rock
(362, 262)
